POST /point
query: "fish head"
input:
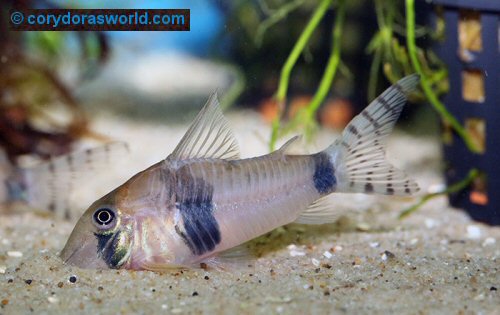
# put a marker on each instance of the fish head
(101, 239)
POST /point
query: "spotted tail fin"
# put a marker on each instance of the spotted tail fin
(359, 155)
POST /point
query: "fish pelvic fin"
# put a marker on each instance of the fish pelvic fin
(208, 137)
(359, 155)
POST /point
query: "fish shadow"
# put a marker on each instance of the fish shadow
(299, 234)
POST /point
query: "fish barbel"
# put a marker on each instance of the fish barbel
(203, 200)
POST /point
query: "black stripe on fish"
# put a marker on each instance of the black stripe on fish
(194, 200)
(324, 174)
(107, 249)
(16, 188)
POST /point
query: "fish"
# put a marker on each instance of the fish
(203, 201)
(46, 188)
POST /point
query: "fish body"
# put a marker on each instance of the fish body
(197, 208)
(203, 199)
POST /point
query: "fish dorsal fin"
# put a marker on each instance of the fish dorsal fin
(208, 137)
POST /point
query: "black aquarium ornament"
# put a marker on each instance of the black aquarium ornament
(471, 49)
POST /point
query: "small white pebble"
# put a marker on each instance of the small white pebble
(306, 286)
(384, 257)
(473, 232)
(444, 242)
(430, 223)
(2, 269)
(176, 311)
(413, 241)
(315, 262)
(337, 248)
(374, 244)
(52, 299)
(291, 246)
(479, 297)
(489, 241)
(14, 254)
(363, 226)
(436, 188)
(279, 309)
(164, 306)
(327, 254)
(5, 241)
(295, 253)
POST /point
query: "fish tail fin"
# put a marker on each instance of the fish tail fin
(359, 155)
(49, 186)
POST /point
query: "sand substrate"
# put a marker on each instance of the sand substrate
(436, 261)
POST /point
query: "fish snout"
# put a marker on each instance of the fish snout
(82, 253)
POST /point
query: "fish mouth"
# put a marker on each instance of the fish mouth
(98, 251)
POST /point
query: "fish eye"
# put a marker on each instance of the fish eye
(104, 217)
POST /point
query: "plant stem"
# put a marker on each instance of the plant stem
(333, 62)
(456, 187)
(426, 86)
(291, 60)
(277, 16)
(299, 47)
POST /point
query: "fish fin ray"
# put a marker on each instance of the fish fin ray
(208, 137)
(319, 212)
(154, 263)
(359, 156)
(240, 252)
(232, 260)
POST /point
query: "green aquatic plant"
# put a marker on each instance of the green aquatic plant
(394, 58)
(454, 188)
(426, 84)
(31, 76)
(306, 116)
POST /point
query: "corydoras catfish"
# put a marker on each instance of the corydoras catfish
(47, 187)
(203, 199)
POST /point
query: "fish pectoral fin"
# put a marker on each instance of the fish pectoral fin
(159, 267)
(208, 137)
(157, 263)
(320, 212)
